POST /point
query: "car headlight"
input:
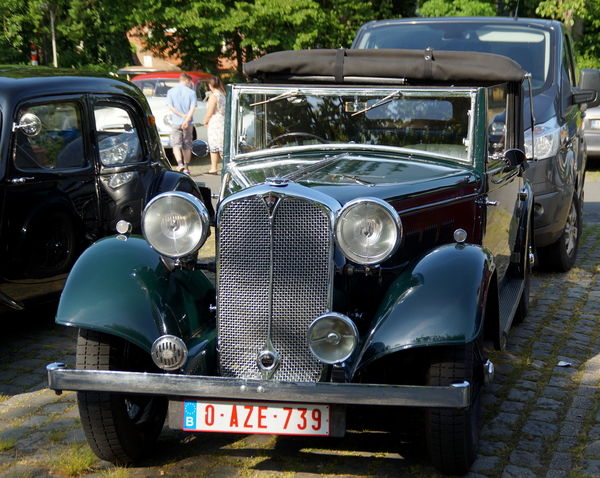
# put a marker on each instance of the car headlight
(332, 338)
(175, 224)
(118, 179)
(119, 149)
(546, 139)
(168, 120)
(368, 230)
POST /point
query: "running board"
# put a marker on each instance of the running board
(509, 302)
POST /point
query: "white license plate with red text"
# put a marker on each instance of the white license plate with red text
(256, 417)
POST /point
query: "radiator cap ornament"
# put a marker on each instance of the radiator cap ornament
(278, 182)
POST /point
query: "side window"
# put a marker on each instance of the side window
(568, 62)
(147, 87)
(496, 119)
(201, 89)
(58, 145)
(117, 135)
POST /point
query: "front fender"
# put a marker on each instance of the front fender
(437, 300)
(120, 286)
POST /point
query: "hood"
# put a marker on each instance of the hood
(349, 175)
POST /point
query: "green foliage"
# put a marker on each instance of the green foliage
(14, 37)
(201, 32)
(458, 8)
(92, 34)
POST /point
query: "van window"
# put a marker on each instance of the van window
(528, 46)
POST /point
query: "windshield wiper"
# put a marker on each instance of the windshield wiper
(382, 101)
(353, 177)
(279, 97)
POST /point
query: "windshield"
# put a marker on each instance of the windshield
(435, 120)
(527, 45)
(156, 87)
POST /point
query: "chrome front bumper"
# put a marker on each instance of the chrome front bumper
(60, 378)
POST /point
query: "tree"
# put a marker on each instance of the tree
(15, 40)
(90, 33)
(583, 17)
(458, 8)
(204, 31)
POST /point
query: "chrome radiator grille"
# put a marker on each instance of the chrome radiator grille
(283, 294)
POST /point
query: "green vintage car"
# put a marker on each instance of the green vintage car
(371, 233)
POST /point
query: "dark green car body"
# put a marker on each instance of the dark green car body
(376, 208)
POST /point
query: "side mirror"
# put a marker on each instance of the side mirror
(200, 148)
(588, 91)
(30, 124)
(514, 157)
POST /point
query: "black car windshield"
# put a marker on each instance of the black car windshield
(436, 120)
(527, 45)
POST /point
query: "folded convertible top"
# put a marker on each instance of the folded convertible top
(385, 66)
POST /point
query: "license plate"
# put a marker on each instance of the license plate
(256, 417)
(595, 124)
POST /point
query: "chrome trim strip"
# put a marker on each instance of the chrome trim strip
(194, 386)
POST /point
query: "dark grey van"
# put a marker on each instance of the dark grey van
(558, 157)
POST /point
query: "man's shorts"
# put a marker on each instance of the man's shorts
(181, 138)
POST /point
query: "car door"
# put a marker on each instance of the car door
(503, 181)
(125, 165)
(51, 200)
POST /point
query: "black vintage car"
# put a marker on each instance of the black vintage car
(78, 152)
(555, 145)
(369, 237)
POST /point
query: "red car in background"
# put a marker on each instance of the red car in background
(155, 87)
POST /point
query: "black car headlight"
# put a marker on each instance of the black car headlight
(175, 224)
(368, 230)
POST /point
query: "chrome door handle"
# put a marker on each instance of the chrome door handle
(486, 202)
(19, 180)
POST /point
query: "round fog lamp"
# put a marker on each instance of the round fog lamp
(332, 338)
(175, 224)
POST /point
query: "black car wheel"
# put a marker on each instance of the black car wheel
(562, 254)
(52, 248)
(119, 428)
(453, 435)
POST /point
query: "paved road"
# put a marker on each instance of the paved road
(541, 419)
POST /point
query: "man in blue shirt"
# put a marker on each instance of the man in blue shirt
(181, 100)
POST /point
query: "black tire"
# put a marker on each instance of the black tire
(52, 248)
(119, 428)
(562, 254)
(453, 435)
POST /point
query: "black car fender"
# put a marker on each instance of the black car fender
(439, 299)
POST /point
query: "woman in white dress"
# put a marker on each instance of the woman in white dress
(215, 121)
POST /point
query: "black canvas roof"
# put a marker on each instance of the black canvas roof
(386, 66)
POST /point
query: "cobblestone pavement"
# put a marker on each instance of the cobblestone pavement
(541, 415)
